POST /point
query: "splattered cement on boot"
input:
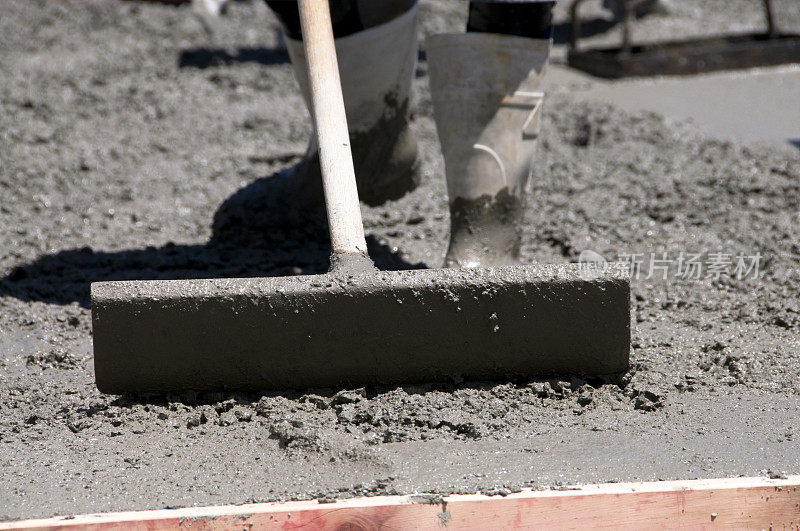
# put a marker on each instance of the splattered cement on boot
(485, 232)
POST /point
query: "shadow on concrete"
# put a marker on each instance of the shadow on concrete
(65, 277)
(552, 387)
(215, 57)
(253, 236)
(589, 27)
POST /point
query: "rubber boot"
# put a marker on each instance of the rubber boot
(377, 66)
(487, 105)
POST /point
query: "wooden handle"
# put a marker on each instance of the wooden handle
(330, 123)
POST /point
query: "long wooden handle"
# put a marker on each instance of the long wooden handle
(330, 122)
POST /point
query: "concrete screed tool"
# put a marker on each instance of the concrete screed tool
(356, 325)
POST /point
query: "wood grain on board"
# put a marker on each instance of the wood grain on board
(737, 502)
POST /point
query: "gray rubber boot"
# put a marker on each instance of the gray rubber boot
(377, 67)
(487, 104)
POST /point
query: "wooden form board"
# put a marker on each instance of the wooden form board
(753, 503)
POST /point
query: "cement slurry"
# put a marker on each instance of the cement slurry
(124, 132)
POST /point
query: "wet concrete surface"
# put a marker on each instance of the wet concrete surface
(115, 158)
(753, 105)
